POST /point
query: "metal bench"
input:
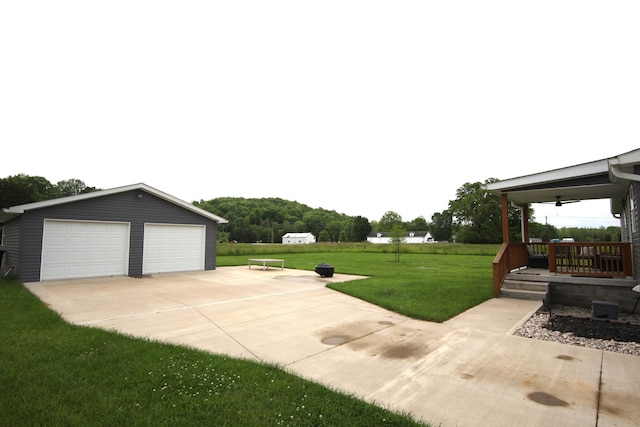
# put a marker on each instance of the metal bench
(265, 262)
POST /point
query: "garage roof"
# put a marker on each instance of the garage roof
(14, 211)
(602, 179)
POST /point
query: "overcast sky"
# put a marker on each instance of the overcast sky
(361, 107)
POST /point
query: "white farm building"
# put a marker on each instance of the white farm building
(409, 237)
(298, 238)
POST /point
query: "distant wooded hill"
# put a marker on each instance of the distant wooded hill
(267, 219)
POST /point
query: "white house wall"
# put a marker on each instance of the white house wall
(379, 240)
(387, 240)
(298, 239)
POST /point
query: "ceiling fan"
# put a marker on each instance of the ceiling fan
(559, 202)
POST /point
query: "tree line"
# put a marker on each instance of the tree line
(21, 189)
(473, 216)
(268, 219)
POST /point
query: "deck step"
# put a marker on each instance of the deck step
(523, 294)
(524, 289)
(525, 285)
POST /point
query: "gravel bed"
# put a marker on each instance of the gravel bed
(574, 326)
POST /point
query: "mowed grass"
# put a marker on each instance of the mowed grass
(56, 374)
(426, 286)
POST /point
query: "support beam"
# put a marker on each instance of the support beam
(525, 223)
(505, 218)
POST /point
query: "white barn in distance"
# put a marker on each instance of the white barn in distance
(384, 237)
(298, 238)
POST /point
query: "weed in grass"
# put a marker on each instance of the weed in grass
(198, 379)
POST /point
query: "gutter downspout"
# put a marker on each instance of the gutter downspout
(616, 173)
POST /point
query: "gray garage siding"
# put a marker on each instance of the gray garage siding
(119, 207)
(11, 241)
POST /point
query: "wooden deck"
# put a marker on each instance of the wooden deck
(572, 259)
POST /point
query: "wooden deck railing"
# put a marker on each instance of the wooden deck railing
(577, 258)
(591, 259)
(510, 256)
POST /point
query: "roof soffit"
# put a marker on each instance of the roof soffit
(591, 180)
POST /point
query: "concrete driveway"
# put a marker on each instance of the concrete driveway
(468, 371)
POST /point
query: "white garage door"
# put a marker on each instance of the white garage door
(171, 247)
(74, 249)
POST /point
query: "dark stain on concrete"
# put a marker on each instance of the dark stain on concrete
(546, 399)
(335, 340)
(345, 333)
(361, 336)
(405, 351)
(564, 357)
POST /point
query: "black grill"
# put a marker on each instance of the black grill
(324, 270)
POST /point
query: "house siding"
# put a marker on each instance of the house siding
(121, 207)
(635, 233)
(11, 242)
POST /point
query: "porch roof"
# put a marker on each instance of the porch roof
(602, 179)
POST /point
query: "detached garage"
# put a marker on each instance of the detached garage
(132, 230)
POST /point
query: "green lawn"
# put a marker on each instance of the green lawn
(423, 286)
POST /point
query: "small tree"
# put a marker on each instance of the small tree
(323, 236)
(397, 239)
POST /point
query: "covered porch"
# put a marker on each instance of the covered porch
(614, 179)
(569, 279)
